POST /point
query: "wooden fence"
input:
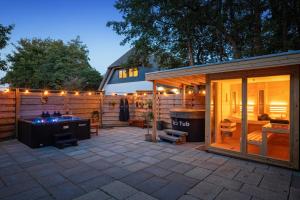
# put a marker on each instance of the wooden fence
(7, 114)
(18, 104)
(15, 104)
(139, 105)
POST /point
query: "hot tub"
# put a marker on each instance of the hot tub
(191, 121)
(40, 131)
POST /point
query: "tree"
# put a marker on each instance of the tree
(5, 31)
(201, 31)
(51, 64)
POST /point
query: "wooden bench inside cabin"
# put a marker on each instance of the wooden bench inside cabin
(255, 137)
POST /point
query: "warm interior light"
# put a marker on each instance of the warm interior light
(145, 93)
(125, 94)
(46, 92)
(165, 93)
(62, 92)
(76, 93)
(135, 94)
(203, 92)
(160, 88)
(190, 92)
(26, 91)
(6, 90)
(89, 93)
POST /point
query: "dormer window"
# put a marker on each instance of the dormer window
(133, 72)
(129, 72)
(123, 73)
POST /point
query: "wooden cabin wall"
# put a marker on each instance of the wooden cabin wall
(15, 105)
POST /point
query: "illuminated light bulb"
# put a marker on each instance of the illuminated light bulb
(46, 92)
(175, 90)
(165, 93)
(203, 92)
(160, 88)
(145, 93)
(26, 91)
(89, 93)
(6, 90)
(76, 93)
(190, 92)
(62, 92)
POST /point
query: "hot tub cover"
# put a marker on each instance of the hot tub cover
(187, 113)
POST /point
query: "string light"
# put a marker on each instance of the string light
(62, 92)
(190, 92)
(26, 91)
(89, 93)
(145, 93)
(175, 90)
(160, 88)
(203, 92)
(46, 92)
(76, 93)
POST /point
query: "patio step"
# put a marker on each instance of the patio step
(175, 133)
(63, 135)
(172, 139)
(65, 143)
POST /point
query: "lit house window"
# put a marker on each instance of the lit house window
(133, 72)
(122, 73)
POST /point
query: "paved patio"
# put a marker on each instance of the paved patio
(118, 164)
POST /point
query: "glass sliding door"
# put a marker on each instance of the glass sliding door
(226, 112)
(268, 116)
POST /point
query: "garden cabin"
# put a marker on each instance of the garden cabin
(251, 105)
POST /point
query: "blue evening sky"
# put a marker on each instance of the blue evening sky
(66, 19)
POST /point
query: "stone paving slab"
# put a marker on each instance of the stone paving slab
(151, 185)
(119, 190)
(205, 190)
(119, 164)
(94, 195)
(232, 195)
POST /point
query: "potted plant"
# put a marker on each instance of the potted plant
(95, 116)
(112, 104)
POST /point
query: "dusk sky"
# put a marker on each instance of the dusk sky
(66, 19)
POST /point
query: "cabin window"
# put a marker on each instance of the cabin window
(226, 104)
(268, 116)
(133, 72)
(123, 73)
(267, 106)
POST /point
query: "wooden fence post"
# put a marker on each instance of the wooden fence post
(17, 111)
(154, 128)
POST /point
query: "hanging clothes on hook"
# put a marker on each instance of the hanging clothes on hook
(124, 110)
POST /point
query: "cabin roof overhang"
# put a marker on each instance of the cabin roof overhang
(196, 74)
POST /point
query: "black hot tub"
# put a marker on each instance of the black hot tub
(191, 121)
(40, 131)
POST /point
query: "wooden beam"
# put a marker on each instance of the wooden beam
(207, 114)
(154, 107)
(183, 95)
(243, 145)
